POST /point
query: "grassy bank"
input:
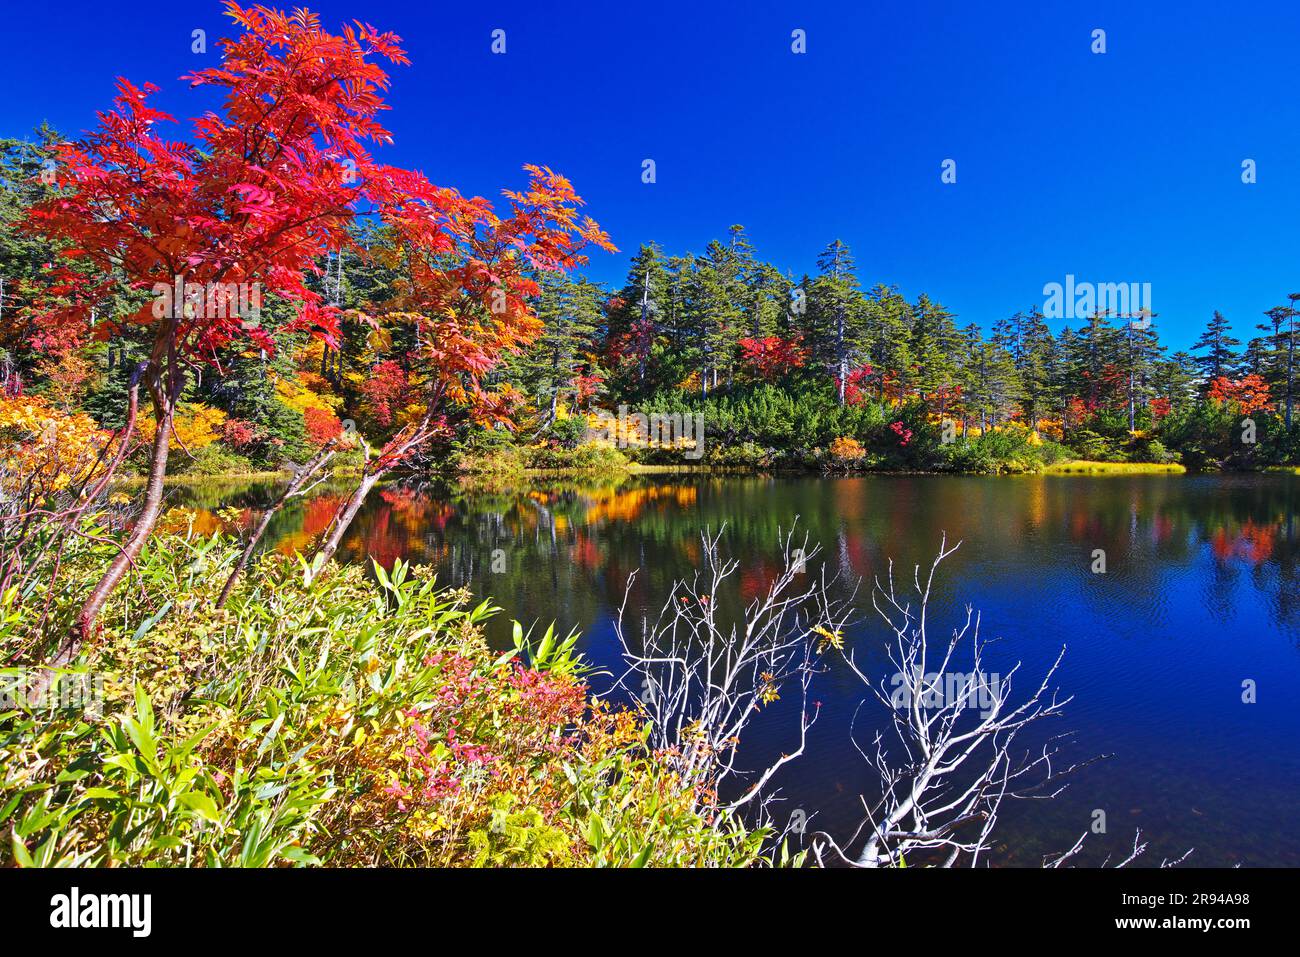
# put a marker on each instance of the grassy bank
(358, 721)
(187, 478)
(1079, 467)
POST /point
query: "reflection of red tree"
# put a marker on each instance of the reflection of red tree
(441, 516)
(1253, 543)
(1222, 545)
(628, 505)
(585, 552)
(318, 513)
(380, 536)
(858, 554)
(1259, 541)
(1082, 526)
(411, 505)
(1163, 528)
(758, 578)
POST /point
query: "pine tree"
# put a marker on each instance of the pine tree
(1028, 339)
(934, 348)
(1217, 342)
(570, 312)
(887, 334)
(836, 313)
(1141, 350)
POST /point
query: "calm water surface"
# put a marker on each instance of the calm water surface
(1198, 597)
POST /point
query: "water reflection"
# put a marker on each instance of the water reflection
(1199, 595)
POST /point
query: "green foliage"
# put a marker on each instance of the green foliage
(1205, 433)
(352, 721)
(519, 838)
(1093, 447)
(589, 457)
(568, 433)
(992, 453)
(213, 460)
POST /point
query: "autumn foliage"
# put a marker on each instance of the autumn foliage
(772, 357)
(1249, 393)
(196, 234)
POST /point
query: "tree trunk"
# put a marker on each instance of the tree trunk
(1290, 354)
(840, 357)
(295, 486)
(390, 456)
(341, 522)
(164, 404)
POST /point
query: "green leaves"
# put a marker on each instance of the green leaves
(550, 654)
(258, 745)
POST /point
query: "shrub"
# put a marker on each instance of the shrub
(36, 438)
(589, 457)
(846, 450)
(568, 433)
(1091, 446)
(353, 721)
(213, 460)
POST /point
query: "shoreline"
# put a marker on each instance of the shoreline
(1077, 468)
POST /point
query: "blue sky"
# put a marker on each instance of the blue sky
(1120, 167)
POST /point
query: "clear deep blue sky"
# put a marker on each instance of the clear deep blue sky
(1117, 167)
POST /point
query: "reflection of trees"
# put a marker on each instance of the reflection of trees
(565, 548)
(568, 548)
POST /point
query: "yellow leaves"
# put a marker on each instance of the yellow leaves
(1045, 429)
(847, 449)
(380, 340)
(35, 437)
(68, 374)
(832, 639)
(194, 426)
(767, 694)
(297, 393)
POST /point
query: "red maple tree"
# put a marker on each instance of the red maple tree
(1249, 392)
(274, 180)
(771, 357)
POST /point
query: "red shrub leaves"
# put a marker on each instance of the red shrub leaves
(322, 425)
(772, 357)
(1249, 392)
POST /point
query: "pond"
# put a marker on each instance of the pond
(1198, 601)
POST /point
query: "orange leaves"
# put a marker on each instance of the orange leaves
(846, 449)
(771, 357)
(1250, 393)
(322, 426)
(36, 438)
(272, 183)
(272, 187)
